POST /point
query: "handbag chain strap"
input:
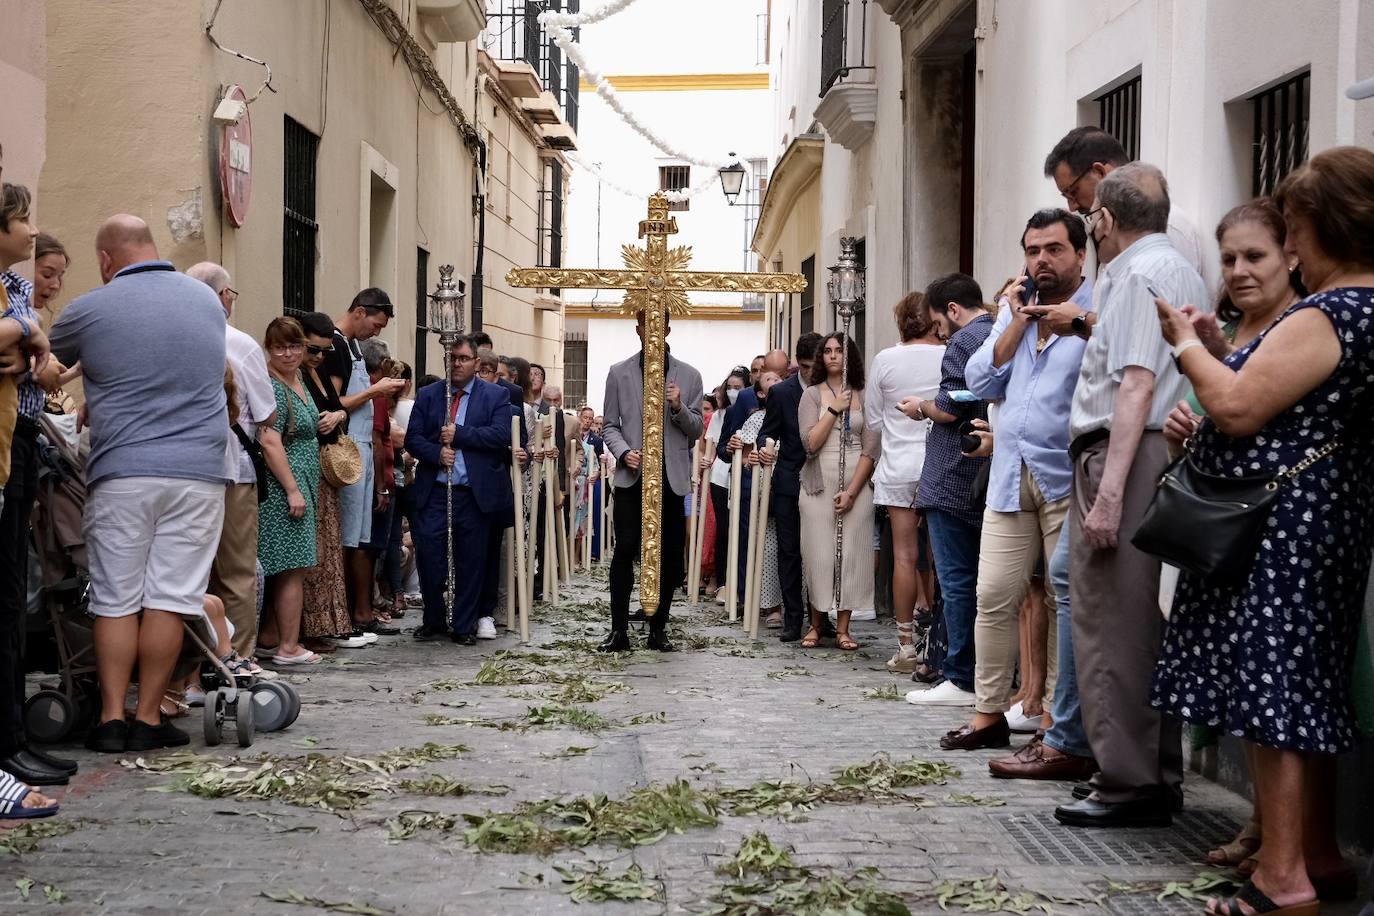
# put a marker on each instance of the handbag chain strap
(1303, 465)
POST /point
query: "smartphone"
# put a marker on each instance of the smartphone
(1028, 291)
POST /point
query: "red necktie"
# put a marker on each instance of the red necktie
(453, 411)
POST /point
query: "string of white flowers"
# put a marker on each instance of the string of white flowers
(572, 20)
(673, 196)
(562, 37)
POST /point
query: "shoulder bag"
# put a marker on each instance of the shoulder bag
(254, 450)
(1209, 525)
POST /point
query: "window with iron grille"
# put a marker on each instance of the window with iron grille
(1280, 138)
(837, 55)
(551, 218)
(299, 230)
(513, 33)
(1119, 115)
(807, 323)
(575, 370)
(421, 311)
(675, 178)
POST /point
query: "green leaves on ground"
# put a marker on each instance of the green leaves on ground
(443, 786)
(990, 895)
(770, 883)
(594, 883)
(311, 781)
(885, 692)
(342, 906)
(976, 801)
(25, 838)
(553, 716)
(791, 671)
(1202, 886)
(758, 856)
(571, 750)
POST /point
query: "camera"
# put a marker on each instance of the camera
(968, 441)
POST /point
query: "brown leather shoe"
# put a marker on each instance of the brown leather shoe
(969, 738)
(1036, 760)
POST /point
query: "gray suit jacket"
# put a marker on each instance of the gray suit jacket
(624, 413)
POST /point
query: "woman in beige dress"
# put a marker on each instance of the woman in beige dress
(825, 430)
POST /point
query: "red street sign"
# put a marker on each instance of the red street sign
(236, 163)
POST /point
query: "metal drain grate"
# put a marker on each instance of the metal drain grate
(1147, 905)
(1044, 841)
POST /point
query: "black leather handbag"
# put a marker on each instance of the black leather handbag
(1209, 525)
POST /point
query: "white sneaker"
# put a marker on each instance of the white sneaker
(1021, 723)
(945, 694)
(486, 628)
(352, 642)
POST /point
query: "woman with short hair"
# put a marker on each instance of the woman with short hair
(1270, 658)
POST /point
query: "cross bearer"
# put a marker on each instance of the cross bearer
(624, 436)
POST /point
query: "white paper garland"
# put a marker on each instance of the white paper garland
(673, 196)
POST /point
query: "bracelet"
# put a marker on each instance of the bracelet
(1185, 346)
(833, 410)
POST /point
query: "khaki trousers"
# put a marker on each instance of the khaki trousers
(1011, 544)
(233, 577)
(1117, 630)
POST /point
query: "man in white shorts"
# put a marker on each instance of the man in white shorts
(151, 344)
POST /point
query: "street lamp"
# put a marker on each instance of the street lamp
(845, 288)
(446, 319)
(732, 180)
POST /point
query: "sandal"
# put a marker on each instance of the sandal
(844, 643)
(12, 795)
(1243, 847)
(811, 639)
(1259, 903)
(305, 658)
(176, 700)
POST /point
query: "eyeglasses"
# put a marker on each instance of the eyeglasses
(286, 349)
(233, 293)
(317, 351)
(1088, 217)
(463, 360)
(1068, 192)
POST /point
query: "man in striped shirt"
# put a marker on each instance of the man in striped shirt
(1127, 386)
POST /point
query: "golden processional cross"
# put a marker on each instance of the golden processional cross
(656, 283)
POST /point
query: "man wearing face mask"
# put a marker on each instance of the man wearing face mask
(1126, 388)
(624, 436)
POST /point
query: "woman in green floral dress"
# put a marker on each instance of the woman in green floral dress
(286, 521)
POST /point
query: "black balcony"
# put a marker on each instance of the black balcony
(837, 55)
(514, 33)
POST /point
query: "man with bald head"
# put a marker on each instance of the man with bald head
(151, 344)
(233, 578)
(1126, 387)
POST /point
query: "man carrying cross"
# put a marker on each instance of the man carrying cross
(623, 433)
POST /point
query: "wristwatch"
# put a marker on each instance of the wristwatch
(1080, 324)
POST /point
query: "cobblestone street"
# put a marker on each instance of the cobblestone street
(723, 713)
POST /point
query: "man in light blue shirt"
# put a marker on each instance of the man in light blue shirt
(1033, 373)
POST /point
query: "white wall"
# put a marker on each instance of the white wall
(712, 347)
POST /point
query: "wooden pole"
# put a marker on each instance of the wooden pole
(517, 582)
(550, 519)
(751, 603)
(564, 560)
(732, 570)
(536, 472)
(703, 496)
(764, 502)
(692, 529)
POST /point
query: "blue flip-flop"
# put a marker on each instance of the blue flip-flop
(12, 795)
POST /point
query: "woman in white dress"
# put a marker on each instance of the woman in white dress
(910, 369)
(826, 429)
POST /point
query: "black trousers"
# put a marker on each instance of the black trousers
(720, 504)
(673, 537)
(786, 511)
(14, 581)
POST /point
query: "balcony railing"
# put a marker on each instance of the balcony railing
(514, 33)
(840, 55)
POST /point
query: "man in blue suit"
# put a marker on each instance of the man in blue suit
(468, 449)
(780, 422)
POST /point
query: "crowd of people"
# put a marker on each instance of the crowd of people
(1020, 450)
(1011, 447)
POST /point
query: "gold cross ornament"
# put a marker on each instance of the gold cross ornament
(656, 282)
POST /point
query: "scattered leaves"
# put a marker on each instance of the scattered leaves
(990, 895)
(25, 885)
(443, 786)
(593, 883)
(571, 750)
(791, 671)
(885, 692)
(977, 801)
(342, 906)
(25, 838)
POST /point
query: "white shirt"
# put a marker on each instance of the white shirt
(720, 469)
(257, 401)
(401, 416)
(906, 370)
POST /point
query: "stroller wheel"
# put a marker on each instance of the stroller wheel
(213, 717)
(49, 716)
(243, 719)
(295, 703)
(271, 706)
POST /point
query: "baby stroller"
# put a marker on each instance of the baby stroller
(59, 710)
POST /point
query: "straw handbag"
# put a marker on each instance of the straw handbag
(341, 464)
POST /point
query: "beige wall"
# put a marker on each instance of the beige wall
(514, 180)
(153, 145)
(23, 64)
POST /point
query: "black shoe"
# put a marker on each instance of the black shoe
(31, 772)
(968, 738)
(145, 737)
(615, 641)
(110, 737)
(638, 616)
(1083, 790)
(658, 640)
(464, 639)
(790, 634)
(427, 633)
(1088, 812)
(53, 763)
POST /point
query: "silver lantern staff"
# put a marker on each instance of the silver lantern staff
(845, 288)
(446, 318)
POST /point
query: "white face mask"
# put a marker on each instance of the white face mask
(732, 394)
